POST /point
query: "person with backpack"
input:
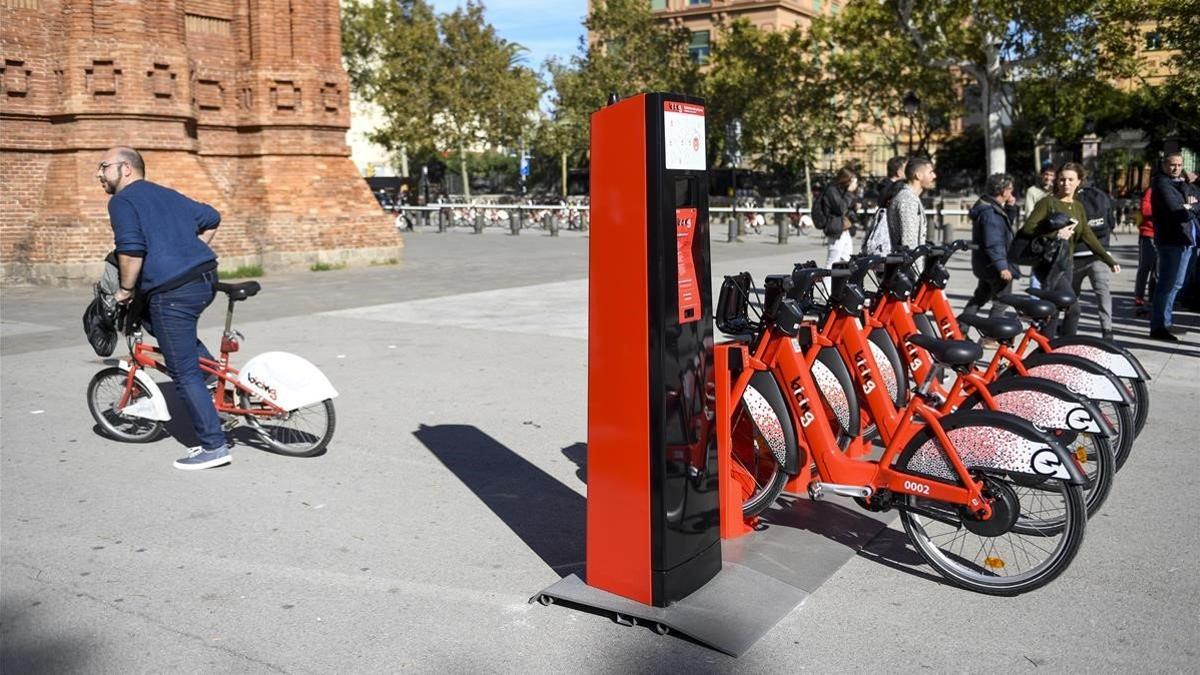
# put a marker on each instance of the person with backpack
(992, 233)
(834, 215)
(1086, 265)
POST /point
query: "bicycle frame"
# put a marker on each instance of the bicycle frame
(774, 352)
(143, 356)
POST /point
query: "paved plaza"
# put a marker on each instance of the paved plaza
(454, 490)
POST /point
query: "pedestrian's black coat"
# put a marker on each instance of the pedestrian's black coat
(1168, 204)
(992, 230)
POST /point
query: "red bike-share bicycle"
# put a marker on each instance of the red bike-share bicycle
(952, 477)
(284, 399)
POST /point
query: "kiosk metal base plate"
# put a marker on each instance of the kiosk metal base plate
(764, 576)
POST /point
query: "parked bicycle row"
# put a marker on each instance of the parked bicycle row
(863, 374)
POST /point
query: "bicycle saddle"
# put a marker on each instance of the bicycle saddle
(246, 289)
(998, 328)
(948, 352)
(1062, 299)
(1027, 306)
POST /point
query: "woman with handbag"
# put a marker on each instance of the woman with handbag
(1056, 274)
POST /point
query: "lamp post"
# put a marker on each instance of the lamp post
(733, 142)
(911, 105)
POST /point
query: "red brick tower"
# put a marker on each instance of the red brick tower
(239, 103)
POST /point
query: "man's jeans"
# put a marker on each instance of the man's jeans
(172, 320)
(1100, 274)
(1172, 266)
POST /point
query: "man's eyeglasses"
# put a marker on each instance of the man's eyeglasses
(105, 165)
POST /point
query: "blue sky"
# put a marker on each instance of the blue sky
(545, 27)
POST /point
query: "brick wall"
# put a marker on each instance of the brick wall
(243, 105)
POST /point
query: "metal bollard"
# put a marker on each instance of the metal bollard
(550, 223)
(781, 223)
(514, 222)
(479, 221)
(441, 219)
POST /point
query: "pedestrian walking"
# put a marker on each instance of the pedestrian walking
(906, 212)
(836, 217)
(1147, 276)
(1035, 194)
(162, 245)
(1058, 274)
(1175, 208)
(992, 233)
(1101, 219)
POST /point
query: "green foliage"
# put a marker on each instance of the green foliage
(1179, 21)
(776, 85)
(444, 83)
(630, 53)
(326, 267)
(243, 272)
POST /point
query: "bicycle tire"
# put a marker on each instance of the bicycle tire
(985, 577)
(103, 393)
(757, 469)
(1141, 397)
(275, 432)
(1121, 418)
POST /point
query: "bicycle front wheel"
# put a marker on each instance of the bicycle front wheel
(984, 556)
(104, 393)
(304, 432)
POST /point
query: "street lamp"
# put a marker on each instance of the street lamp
(911, 105)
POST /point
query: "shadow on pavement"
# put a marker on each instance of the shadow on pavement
(25, 651)
(547, 515)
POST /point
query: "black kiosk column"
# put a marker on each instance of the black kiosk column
(652, 519)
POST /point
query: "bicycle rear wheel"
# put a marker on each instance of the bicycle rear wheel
(759, 430)
(304, 432)
(104, 392)
(985, 556)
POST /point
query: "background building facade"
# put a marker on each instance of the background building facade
(242, 104)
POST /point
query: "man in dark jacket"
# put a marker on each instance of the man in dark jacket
(1176, 210)
(1086, 265)
(162, 243)
(992, 232)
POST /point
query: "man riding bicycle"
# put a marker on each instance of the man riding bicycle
(162, 244)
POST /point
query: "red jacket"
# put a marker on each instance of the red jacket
(1146, 229)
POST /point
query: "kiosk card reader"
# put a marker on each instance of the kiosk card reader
(653, 524)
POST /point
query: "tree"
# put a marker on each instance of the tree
(445, 83)
(994, 43)
(1179, 21)
(630, 52)
(776, 85)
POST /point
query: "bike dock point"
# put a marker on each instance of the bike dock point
(666, 542)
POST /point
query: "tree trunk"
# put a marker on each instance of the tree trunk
(404, 161)
(564, 175)
(989, 83)
(462, 163)
(808, 186)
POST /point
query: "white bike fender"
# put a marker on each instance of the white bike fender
(287, 380)
(1093, 386)
(152, 407)
(1115, 363)
(1044, 411)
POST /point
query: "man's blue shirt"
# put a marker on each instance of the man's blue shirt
(161, 226)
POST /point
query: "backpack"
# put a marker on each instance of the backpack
(878, 240)
(820, 216)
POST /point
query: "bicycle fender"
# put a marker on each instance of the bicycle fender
(287, 380)
(891, 366)
(152, 407)
(1080, 375)
(1045, 403)
(1120, 361)
(762, 399)
(833, 379)
(990, 441)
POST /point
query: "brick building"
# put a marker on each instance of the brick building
(239, 103)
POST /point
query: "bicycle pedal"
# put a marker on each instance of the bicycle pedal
(229, 423)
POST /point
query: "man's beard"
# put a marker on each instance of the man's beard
(109, 187)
